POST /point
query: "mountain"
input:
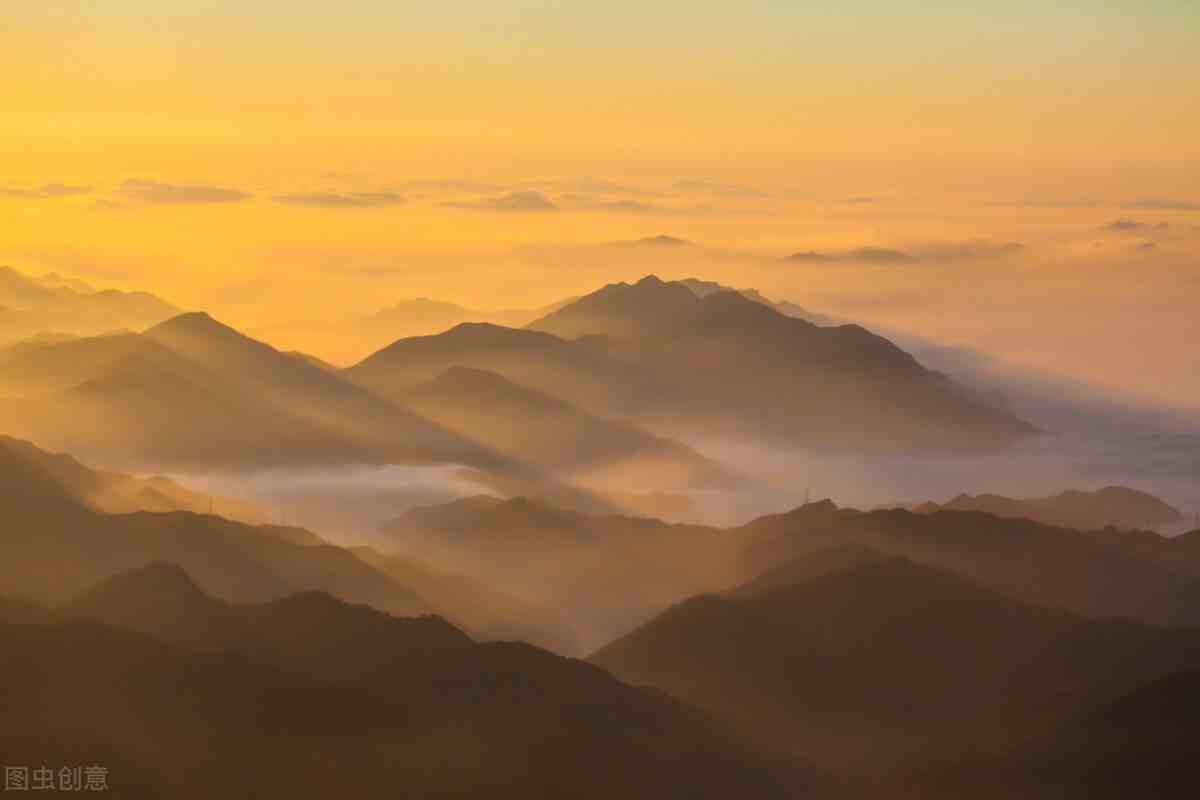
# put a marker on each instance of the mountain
(423, 316)
(192, 392)
(310, 697)
(1131, 575)
(115, 492)
(604, 573)
(1115, 506)
(54, 303)
(484, 612)
(575, 371)
(887, 664)
(53, 544)
(737, 366)
(551, 434)
(704, 288)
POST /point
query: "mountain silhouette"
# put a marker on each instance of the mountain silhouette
(570, 561)
(33, 305)
(1115, 506)
(308, 697)
(888, 663)
(193, 392)
(576, 372)
(704, 288)
(61, 475)
(551, 434)
(738, 366)
(1039, 564)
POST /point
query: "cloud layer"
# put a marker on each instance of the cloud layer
(341, 199)
(159, 193)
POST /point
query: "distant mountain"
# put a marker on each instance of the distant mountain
(423, 316)
(866, 255)
(738, 366)
(888, 663)
(54, 303)
(575, 371)
(551, 434)
(484, 612)
(192, 392)
(704, 288)
(1115, 506)
(605, 573)
(309, 697)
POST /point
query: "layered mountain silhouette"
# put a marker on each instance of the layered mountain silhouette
(193, 392)
(34, 305)
(1132, 575)
(551, 434)
(578, 372)
(309, 697)
(604, 572)
(69, 526)
(741, 366)
(885, 664)
(1115, 506)
(704, 288)
(682, 364)
(112, 492)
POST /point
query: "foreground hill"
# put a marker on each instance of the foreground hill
(192, 392)
(1115, 506)
(888, 664)
(309, 697)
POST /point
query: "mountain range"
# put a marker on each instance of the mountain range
(1116, 506)
(307, 696)
(848, 663)
(192, 392)
(32, 306)
(683, 365)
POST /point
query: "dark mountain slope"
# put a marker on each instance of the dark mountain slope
(889, 663)
(316, 692)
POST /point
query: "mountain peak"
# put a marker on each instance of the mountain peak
(663, 240)
(192, 323)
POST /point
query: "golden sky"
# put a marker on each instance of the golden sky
(288, 161)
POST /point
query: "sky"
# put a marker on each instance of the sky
(277, 162)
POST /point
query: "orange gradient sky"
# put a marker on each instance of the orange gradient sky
(302, 162)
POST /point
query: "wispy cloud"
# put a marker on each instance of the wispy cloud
(973, 250)
(869, 255)
(341, 199)
(1125, 224)
(1151, 204)
(160, 193)
(580, 202)
(47, 191)
(717, 189)
(514, 201)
